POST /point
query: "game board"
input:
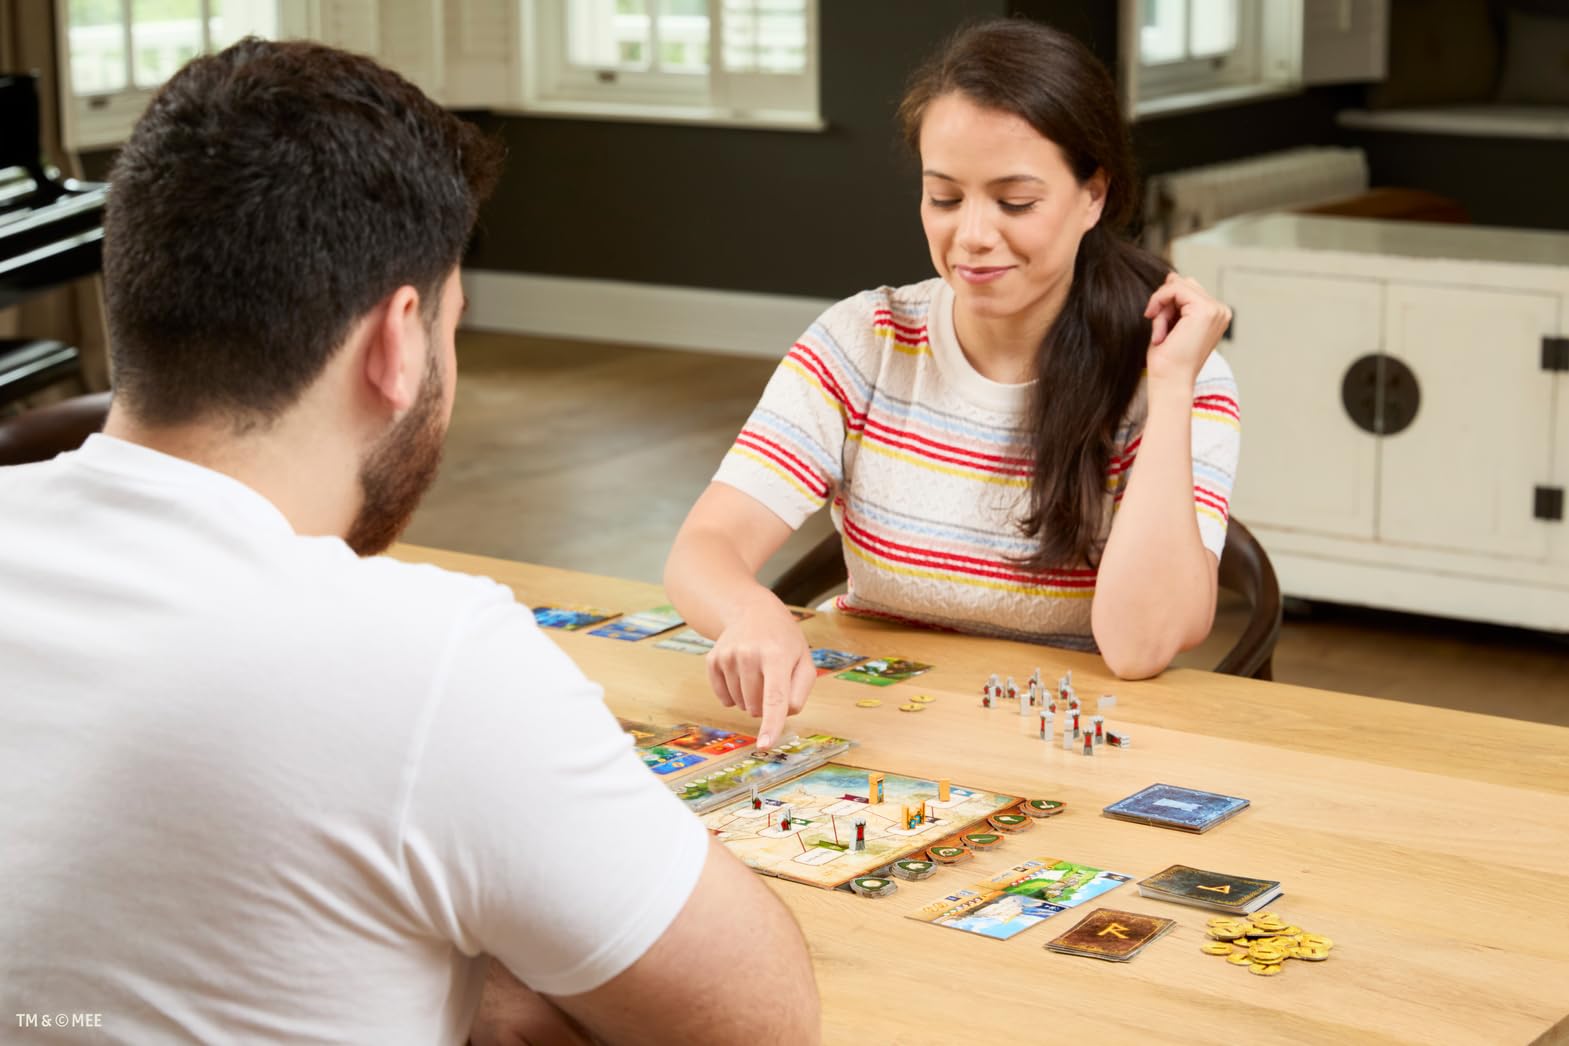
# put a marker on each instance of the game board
(818, 848)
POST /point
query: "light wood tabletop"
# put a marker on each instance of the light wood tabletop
(1431, 845)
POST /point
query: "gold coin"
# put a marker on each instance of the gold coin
(1217, 948)
(870, 702)
(1239, 959)
(1315, 939)
(1310, 952)
(1262, 917)
(1264, 971)
(1290, 931)
(1227, 934)
(924, 699)
(912, 707)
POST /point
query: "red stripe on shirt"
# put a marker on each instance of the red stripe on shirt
(957, 564)
(785, 460)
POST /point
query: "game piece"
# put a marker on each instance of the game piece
(860, 833)
(1009, 822)
(1111, 935)
(1105, 703)
(1012, 693)
(943, 785)
(1035, 678)
(1170, 806)
(988, 691)
(1118, 739)
(873, 886)
(1024, 702)
(1217, 891)
(1043, 807)
(924, 699)
(913, 870)
(982, 840)
(1099, 728)
(1067, 738)
(912, 707)
(1046, 725)
(757, 800)
(1074, 715)
(870, 702)
(1089, 744)
(874, 788)
(1020, 897)
(784, 818)
(949, 854)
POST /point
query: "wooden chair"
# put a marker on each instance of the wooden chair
(43, 432)
(1244, 569)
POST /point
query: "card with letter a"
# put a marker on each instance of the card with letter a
(1112, 935)
(1215, 890)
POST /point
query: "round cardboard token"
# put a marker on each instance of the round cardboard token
(947, 854)
(912, 707)
(870, 702)
(924, 699)
(982, 840)
(873, 886)
(1217, 948)
(1043, 807)
(909, 869)
(1240, 959)
(1263, 970)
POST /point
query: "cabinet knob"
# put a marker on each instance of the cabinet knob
(1381, 394)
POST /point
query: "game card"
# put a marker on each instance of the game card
(641, 625)
(1205, 889)
(665, 760)
(687, 641)
(570, 617)
(646, 734)
(1011, 902)
(1109, 934)
(1169, 806)
(884, 671)
(711, 740)
(833, 660)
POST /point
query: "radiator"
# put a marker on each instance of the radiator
(1180, 202)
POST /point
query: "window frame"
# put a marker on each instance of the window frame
(1267, 60)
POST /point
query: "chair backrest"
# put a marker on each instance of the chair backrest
(43, 432)
(1244, 569)
(21, 145)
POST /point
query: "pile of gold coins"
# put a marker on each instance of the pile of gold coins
(1263, 942)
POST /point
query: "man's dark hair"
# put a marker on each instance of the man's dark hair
(271, 195)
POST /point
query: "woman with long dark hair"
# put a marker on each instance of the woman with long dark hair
(1038, 443)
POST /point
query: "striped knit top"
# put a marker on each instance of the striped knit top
(926, 467)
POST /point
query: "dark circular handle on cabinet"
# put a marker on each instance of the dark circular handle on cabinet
(1381, 395)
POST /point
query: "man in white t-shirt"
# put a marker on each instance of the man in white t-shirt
(254, 787)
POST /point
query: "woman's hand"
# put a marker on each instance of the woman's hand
(761, 662)
(1188, 324)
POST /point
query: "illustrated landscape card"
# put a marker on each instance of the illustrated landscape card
(570, 617)
(1021, 897)
(823, 805)
(687, 641)
(884, 671)
(642, 624)
(645, 734)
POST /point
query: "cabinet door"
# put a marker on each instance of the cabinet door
(1305, 464)
(1462, 475)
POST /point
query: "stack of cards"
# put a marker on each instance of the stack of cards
(1214, 890)
(1112, 935)
(570, 616)
(1185, 809)
(641, 625)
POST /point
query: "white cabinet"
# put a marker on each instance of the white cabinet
(1405, 407)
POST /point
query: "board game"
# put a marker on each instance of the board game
(822, 808)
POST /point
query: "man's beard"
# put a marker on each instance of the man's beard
(399, 469)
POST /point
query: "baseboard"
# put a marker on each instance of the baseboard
(736, 322)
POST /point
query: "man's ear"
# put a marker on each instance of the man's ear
(395, 350)
(1095, 187)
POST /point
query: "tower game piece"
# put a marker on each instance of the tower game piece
(990, 690)
(1075, 716)
(784, 819)
(1099, 728)
(1046, 725)
(1089, 744)
(943, 785)
(860, 833)
(757, 800)
(1067, 738)
(1013, 691)
(1118, 739)
(1024, 702)
(1105, 703)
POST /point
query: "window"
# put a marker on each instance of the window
(1194, 51)
(120, 51)
(657, 59)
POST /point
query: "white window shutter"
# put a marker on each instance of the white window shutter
(354, 25)
(410, 35)
(483, 42)
(1344, 40)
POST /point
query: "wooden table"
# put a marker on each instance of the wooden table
(1431, 845)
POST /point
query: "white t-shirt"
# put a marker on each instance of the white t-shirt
(253, 787)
